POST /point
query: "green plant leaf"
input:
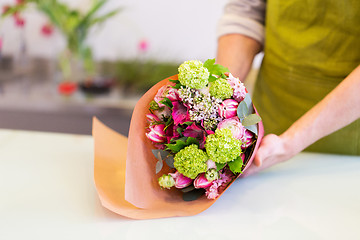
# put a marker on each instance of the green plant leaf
(154, 105)
(215, 69)
(236, 165)
(181, 143)
(251, 120)
(167, 102)
(220, 166)
(249, 103)
(193, 195)
(212, 78)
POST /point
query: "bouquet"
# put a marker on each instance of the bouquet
(194, 133)
(203, 127)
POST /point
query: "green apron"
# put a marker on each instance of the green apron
(310, 47)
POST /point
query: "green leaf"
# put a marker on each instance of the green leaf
(181, 143)
(193, 195)
(154, 105)
(236, 165)
(177, 86)
(209, 63)
(188, 123)
(167, 102)
(220, 166)
(215, 69)
(212, 78)
(251, 120)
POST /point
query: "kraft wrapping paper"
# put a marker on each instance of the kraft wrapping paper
(124, 170)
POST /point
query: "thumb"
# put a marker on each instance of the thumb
(263, 152)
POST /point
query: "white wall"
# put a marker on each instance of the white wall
(176, 30)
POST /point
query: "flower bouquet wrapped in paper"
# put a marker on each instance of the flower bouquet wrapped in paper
(191, 136)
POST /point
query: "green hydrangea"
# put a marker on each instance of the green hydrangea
(166, 181)
(221, 89)
(193, 74)
(191, 161)
(222, 147)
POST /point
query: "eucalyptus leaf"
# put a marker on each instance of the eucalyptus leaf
(170, 161)
(160, 154)
(159, 166)
(253, 129)
(249, 103)
(242, 110)
(251, 120)
(193, 195)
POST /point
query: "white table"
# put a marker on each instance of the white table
(47, 192)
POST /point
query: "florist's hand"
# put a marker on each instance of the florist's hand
(272, 150)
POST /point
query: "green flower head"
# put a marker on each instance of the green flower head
(221, 89)
(193, 74)
(222, 147)
(191, 161)
(166, 181)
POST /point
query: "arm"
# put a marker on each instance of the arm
(241, 35)
(237, 52)
(318, 122)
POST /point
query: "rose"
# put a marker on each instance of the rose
(228, 108)
(235, 126)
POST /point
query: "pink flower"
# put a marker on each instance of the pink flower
(19, 21)
(201, 181)
(143, 45)
(247, 139)
(179, 113)
(228, 108)
(212, 192)
(151, 118)
(166, 91)
(47, 29)
(163, 112)
(239, 88)
(210, 164)
(156, 133)
(180, 180)
(196, 132)
(235, 126)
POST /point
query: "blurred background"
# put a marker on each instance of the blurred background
(64, 61)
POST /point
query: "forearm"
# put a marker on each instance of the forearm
(237, 52)
(338, 109)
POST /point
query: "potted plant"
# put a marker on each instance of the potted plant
(76, 61)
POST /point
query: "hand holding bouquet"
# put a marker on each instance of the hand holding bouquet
(203, 127)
